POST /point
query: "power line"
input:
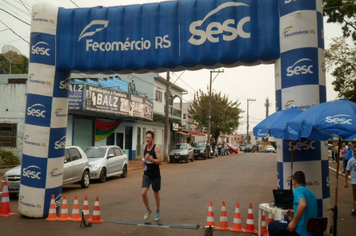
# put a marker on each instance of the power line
(25, 7)
(15, 32)
(14, 17)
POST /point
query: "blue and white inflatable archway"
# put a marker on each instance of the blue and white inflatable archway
(174, 35)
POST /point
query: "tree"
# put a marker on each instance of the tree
(21, 68)
(342, 12)
(225, 114)
(343, 57)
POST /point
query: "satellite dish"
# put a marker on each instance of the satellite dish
(12, 54)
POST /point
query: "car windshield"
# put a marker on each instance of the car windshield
(95, 152)
(199, 145)
(181, 146)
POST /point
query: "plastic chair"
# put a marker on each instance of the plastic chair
(317, 226)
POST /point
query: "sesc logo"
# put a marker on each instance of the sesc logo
(60, 144)
(31, 172)
(289, 104)
(36, 110)
(37, 49)
(58, 200)
(301, 146)
(341, 119)
(65, 84)
(199, 36)
(300, 67)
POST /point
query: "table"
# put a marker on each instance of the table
(276, 211)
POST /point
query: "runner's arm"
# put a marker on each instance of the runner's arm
(159, 157)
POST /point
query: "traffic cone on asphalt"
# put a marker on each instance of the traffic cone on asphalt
(64, 210)
(236, 225)
(210, 219)
(250, 224)
(52, 213)
(263, 225)
(96, 213)
(75, 211)
(223, 225)
(86, 209)
(5, 209)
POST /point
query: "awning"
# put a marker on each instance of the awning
(196, 133)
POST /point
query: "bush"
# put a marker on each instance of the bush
(9, 158)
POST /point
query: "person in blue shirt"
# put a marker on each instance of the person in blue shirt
(304, 207)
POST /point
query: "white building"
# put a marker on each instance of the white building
(143, 92)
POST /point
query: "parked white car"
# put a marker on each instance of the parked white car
(270, 148)
(76, 170)
(107, 161)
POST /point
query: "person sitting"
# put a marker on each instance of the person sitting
(304, 207)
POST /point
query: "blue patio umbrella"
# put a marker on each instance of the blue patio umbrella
(324, 121)
(276, 125)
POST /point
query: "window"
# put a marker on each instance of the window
(111, 152)
(74, 154)
(184, 116)
(118, 152)
(8, 133)
(158, 96)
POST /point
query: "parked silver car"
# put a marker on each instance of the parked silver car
(181, 152)
(107, 161)
(76, 170)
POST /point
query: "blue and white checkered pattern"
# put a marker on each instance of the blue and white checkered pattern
(45, 120)
(300, 82)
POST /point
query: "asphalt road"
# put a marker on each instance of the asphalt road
(187, 189)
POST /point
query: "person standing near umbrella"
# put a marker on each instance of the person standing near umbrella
(343, 155)
(349, 155)
(304, 207)
(351, 170)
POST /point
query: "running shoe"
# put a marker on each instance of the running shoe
(353, 213)
(157, 216)
(147, 214)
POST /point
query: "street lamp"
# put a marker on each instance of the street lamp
(248, 103)
(211, 81)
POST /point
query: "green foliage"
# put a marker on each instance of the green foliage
(225, 114)
(21, 68)
(341, 60)
(342, 12)
(9, 158)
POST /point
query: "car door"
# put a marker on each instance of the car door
(67, 170)
(77, 164)
(119, 156)
(111, 163)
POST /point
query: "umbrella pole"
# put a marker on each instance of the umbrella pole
(336, 190)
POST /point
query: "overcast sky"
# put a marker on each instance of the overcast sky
(240, 83)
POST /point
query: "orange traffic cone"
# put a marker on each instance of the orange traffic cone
(236, 225)
(210, 219)
(86, 208)
(264, 230)
(96, 212)
(64, 210)
(5, 209)
(223, 225)
(250, 225)
(52, 213)
(75, 211)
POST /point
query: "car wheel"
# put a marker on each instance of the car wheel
(84, 183)
(102, 177)
(124, 172)
(170, 160)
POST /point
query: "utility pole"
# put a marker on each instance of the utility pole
(267, 106)
(211, 82)
(167, 124)
(248, 116)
